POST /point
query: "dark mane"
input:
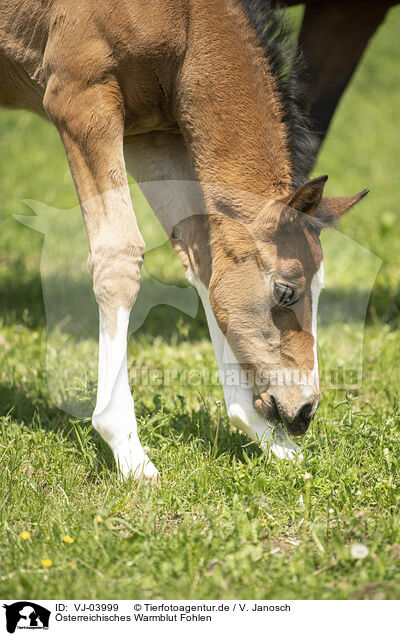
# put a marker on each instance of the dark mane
(288, 67)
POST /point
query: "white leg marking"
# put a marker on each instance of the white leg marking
(114, 416)
(239, 396)
(317, 285)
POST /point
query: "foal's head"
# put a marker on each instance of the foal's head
(267, 274)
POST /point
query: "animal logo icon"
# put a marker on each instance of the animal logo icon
(26, 615)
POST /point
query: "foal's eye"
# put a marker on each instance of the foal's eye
(284, 294)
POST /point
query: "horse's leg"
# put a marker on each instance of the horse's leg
(90, 122)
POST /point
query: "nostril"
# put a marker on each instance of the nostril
(301, 422)
(306, 413)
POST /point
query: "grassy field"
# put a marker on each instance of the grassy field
(228, 524)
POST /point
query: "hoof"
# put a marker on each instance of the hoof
(145, 471)
(132, 462)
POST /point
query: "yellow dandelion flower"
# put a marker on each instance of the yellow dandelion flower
(68, 539)
(25, 535)
(98, 519)
(47, 563)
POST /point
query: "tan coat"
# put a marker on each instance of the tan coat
(187, 89)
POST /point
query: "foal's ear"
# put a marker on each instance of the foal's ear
(307, 198)
(332, 208)
(328, 210)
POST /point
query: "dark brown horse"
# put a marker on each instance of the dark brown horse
(334, 36)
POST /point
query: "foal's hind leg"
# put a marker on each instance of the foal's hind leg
(90, 122)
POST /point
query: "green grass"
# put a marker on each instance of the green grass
(227, 524)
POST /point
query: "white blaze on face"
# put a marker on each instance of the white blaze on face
(317, 285)
(239, 395)
(114, 415)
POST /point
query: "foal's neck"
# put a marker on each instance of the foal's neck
(229, 107)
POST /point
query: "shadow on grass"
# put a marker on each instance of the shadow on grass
(31, 408)
(199, 424)
(37, 412)
(352, 304)
(30, 412)
(21, 297)
(23, 301)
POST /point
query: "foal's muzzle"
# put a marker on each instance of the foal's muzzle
(303, 419)
(295, 418)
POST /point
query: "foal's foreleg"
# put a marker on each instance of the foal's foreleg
(90, 122)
